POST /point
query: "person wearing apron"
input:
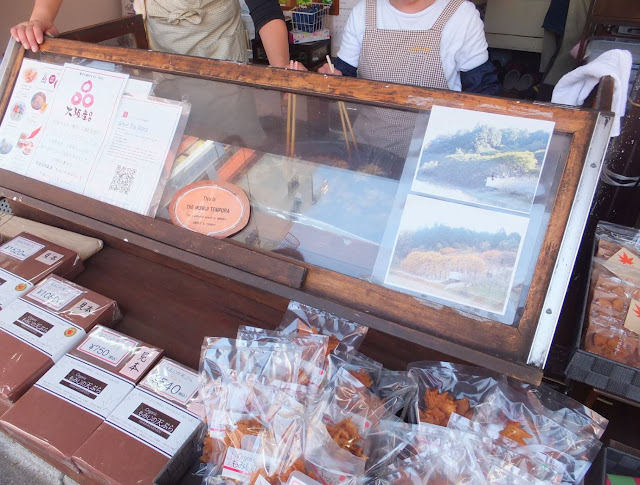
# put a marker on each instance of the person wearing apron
(204, 28)
(429, 43)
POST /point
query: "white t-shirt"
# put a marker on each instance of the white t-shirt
(463, 46)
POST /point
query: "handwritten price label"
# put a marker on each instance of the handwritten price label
(172, 381)
(21, 248)
(107, 347)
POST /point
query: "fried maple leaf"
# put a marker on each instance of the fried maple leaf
(637, 310)
(624, 259)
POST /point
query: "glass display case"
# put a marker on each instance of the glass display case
(444, 219)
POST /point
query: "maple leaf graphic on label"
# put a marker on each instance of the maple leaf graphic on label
(637, 310)
(624, 259)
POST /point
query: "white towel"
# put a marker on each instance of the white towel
(575, 86)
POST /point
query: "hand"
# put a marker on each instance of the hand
(31, 34)
(326, 69)
(296, 66)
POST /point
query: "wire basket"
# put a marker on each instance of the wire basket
(309, 18)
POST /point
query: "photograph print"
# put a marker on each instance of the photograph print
(457, 253)
(482, 158)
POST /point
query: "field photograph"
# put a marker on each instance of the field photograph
(461, 254)
(482, 158)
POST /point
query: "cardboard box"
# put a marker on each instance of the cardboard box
(61, 411)
(38, 329)
(152, 435)
(26, 259)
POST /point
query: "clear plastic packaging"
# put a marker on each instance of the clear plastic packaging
(385, 443)
(350, 412)
(398, 391)
(515, 422)
(445, 388)
(343, 334)
(313, 348)
(326, 462)
(565, 410)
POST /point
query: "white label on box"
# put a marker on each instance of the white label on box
(107, 346)
(84, 385)
(50, 334)
(11, 287)
(84, 308)
(155, 422)
(172, 381)
(21, 248)
(239, 464)
(55, 294)
(50, 257)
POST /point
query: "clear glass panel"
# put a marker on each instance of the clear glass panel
(317, 197)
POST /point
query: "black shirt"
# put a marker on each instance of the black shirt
(264, 11)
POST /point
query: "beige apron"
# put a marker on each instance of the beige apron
(404, 57)
(203, 28)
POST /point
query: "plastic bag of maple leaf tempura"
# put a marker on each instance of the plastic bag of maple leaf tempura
(515, 422)
(539, 467)
(445, 388)
(564, 410)
(343, 334)
(398, 390)
(313, 348)
(252, 427)
(363, 368)
(325, 461)
(350, 412)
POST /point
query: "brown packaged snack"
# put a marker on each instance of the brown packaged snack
(37, 329)
(613, 342)
(61, 411)
(25, 260)
(155, 429)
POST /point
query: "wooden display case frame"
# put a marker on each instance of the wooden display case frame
(273, 279)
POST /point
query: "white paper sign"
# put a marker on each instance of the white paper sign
(48, 333)
(86, 386)
(55, 294)
(108, 347)
(27, 112)
(153, 421)
(82, 111)
(134, 156)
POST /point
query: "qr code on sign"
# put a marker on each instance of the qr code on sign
(123, 179)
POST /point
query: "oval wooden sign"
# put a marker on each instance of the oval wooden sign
(216, 209)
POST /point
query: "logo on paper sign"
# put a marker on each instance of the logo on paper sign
(21, 287)
(70, 332)
(625, 259)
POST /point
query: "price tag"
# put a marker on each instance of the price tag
(107, 347)
(55, 294)
(173, 381)
(239, 464)
(21, 248)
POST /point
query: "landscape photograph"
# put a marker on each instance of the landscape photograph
(482, 158)
(458, 253)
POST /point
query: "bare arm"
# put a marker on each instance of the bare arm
(30, 34)
(275, 38)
